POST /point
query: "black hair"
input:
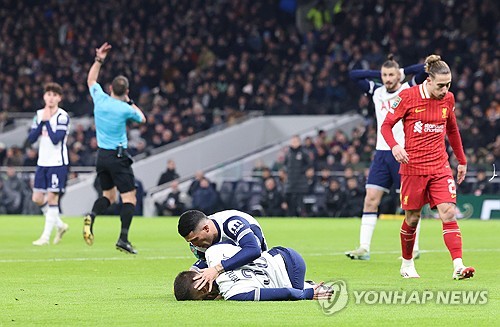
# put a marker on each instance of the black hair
(188, 221)
(183, 286)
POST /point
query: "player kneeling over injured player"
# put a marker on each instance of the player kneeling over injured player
(277, 275)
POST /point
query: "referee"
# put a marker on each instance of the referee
(113, 165)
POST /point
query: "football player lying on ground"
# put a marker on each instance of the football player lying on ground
(277, 275)
(233, 226)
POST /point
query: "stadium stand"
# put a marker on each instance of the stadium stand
(199, 64)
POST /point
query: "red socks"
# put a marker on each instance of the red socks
(407, 235)
(453, 239)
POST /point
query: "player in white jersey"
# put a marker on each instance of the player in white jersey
(277, 275)
(51, 127)
(384, 170)
(229, 225)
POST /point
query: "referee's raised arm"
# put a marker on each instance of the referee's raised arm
(100, 56)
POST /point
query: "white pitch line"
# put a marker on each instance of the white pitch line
(139, 257)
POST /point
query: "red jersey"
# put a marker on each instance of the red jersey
(426, 121)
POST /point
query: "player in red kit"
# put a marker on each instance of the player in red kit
(428, 114)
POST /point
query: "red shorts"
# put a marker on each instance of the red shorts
(418, 190)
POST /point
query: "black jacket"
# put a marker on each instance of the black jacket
(296, 162)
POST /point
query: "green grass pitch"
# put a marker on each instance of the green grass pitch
(72, 284)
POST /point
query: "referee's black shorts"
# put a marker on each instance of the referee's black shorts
(114, 171)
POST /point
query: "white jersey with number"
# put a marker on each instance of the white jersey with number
(267, 271)
(49, 154)
(383, 102)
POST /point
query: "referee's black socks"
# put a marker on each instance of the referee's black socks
(100, 206)
(126, 215)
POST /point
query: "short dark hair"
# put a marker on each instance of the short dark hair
(188, 221)
(53, 87)
(183, 286)
(120, 85)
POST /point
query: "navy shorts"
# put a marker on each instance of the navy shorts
(295, 265)
(384, 172)
(51, 179)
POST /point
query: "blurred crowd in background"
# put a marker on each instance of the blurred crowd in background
(194, 65)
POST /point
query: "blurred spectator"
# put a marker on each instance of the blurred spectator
(353, 205)
(296, 161)
(170, 174)
(3, 153)
(10, 201)
(18, 187)
(325, 178)
(272, 200)
(258, 168)
(481, 186)
(14, 156)
(311, 180)
(31, 158)
(195, 184)
(280, 161)
(319, 15)
(205, 197)
(173, 205)
(335, 199)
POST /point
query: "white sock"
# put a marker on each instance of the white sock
(44, 207)
(417, 236)
(53, 212)
(50, 222)
(457, 263)
(368, 222)
(407, 263)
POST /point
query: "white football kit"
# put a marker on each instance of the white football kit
(383, 102)
(49, 154)
(267, 271)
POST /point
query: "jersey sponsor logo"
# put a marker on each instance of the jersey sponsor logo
(444, 116)
(235, 226)
(420, 127)
(417, 128)
(432, 128)
(420, 110)
(396, 102)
